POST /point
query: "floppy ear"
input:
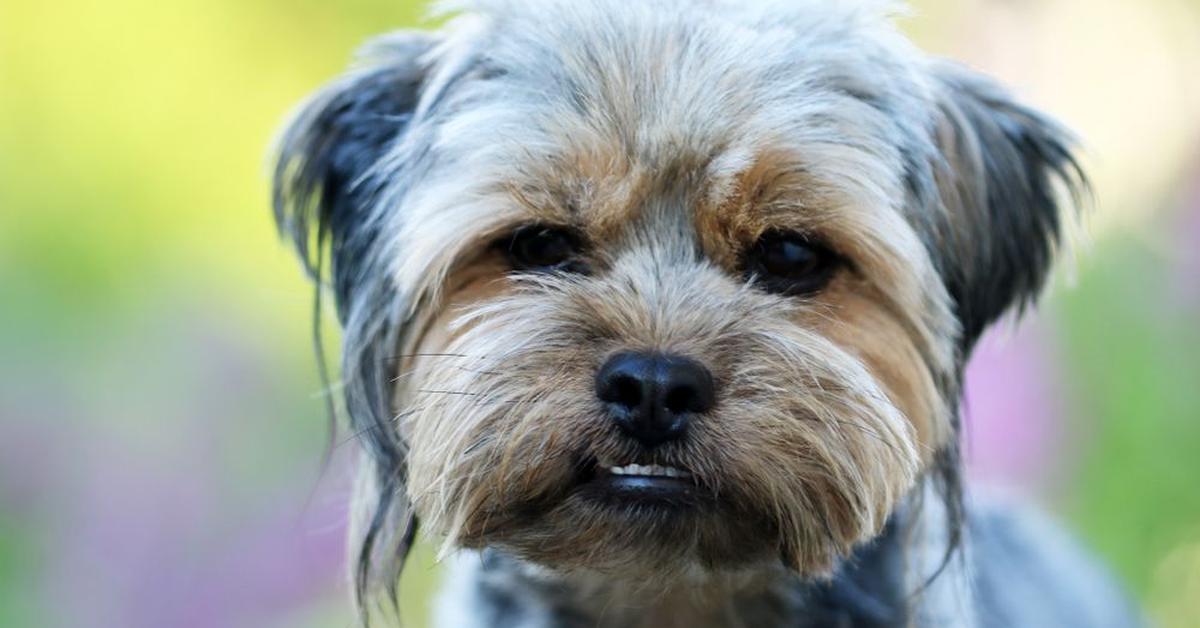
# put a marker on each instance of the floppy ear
(1005, 169)
(327, 185)
(323, 192)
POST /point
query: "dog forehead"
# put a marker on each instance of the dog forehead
(677, 60)
(595, 103)
(590, 111)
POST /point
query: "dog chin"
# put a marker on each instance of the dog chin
(635, 521)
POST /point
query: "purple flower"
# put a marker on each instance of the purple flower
(1013, 409)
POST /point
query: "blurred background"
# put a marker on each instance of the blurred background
(161, 422)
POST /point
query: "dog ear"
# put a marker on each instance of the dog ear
(1003, 175)
(323, 191)
(327, 187)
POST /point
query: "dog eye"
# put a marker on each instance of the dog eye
(790, 263)
(542, 248)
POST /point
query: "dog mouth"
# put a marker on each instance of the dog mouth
(649, 471)
(643, 484)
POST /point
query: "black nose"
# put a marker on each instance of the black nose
(652, 396)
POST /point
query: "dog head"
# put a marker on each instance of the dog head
(665, 286)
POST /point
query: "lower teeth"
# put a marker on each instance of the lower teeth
(648, 470)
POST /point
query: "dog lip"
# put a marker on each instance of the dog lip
(645, 489)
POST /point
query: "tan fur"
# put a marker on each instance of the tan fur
(826, 406)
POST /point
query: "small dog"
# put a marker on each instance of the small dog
(657, 311)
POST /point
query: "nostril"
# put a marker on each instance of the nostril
(687, 386)
(681, 399)
(624, 390)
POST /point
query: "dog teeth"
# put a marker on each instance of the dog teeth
(648, 470)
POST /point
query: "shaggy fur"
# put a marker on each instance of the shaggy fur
(669, 135)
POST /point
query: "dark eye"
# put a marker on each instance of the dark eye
(543, 248)
(790, 263)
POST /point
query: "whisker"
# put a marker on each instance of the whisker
(448, 392)
(862, 428)
(405, 356)
(358, 434)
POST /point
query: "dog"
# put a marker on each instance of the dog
(656, 313)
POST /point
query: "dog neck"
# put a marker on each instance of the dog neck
(868, 590)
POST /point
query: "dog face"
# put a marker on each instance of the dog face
(665, 287)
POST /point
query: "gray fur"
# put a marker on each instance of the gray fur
(1011, 559)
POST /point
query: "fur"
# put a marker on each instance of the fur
(670, 135)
